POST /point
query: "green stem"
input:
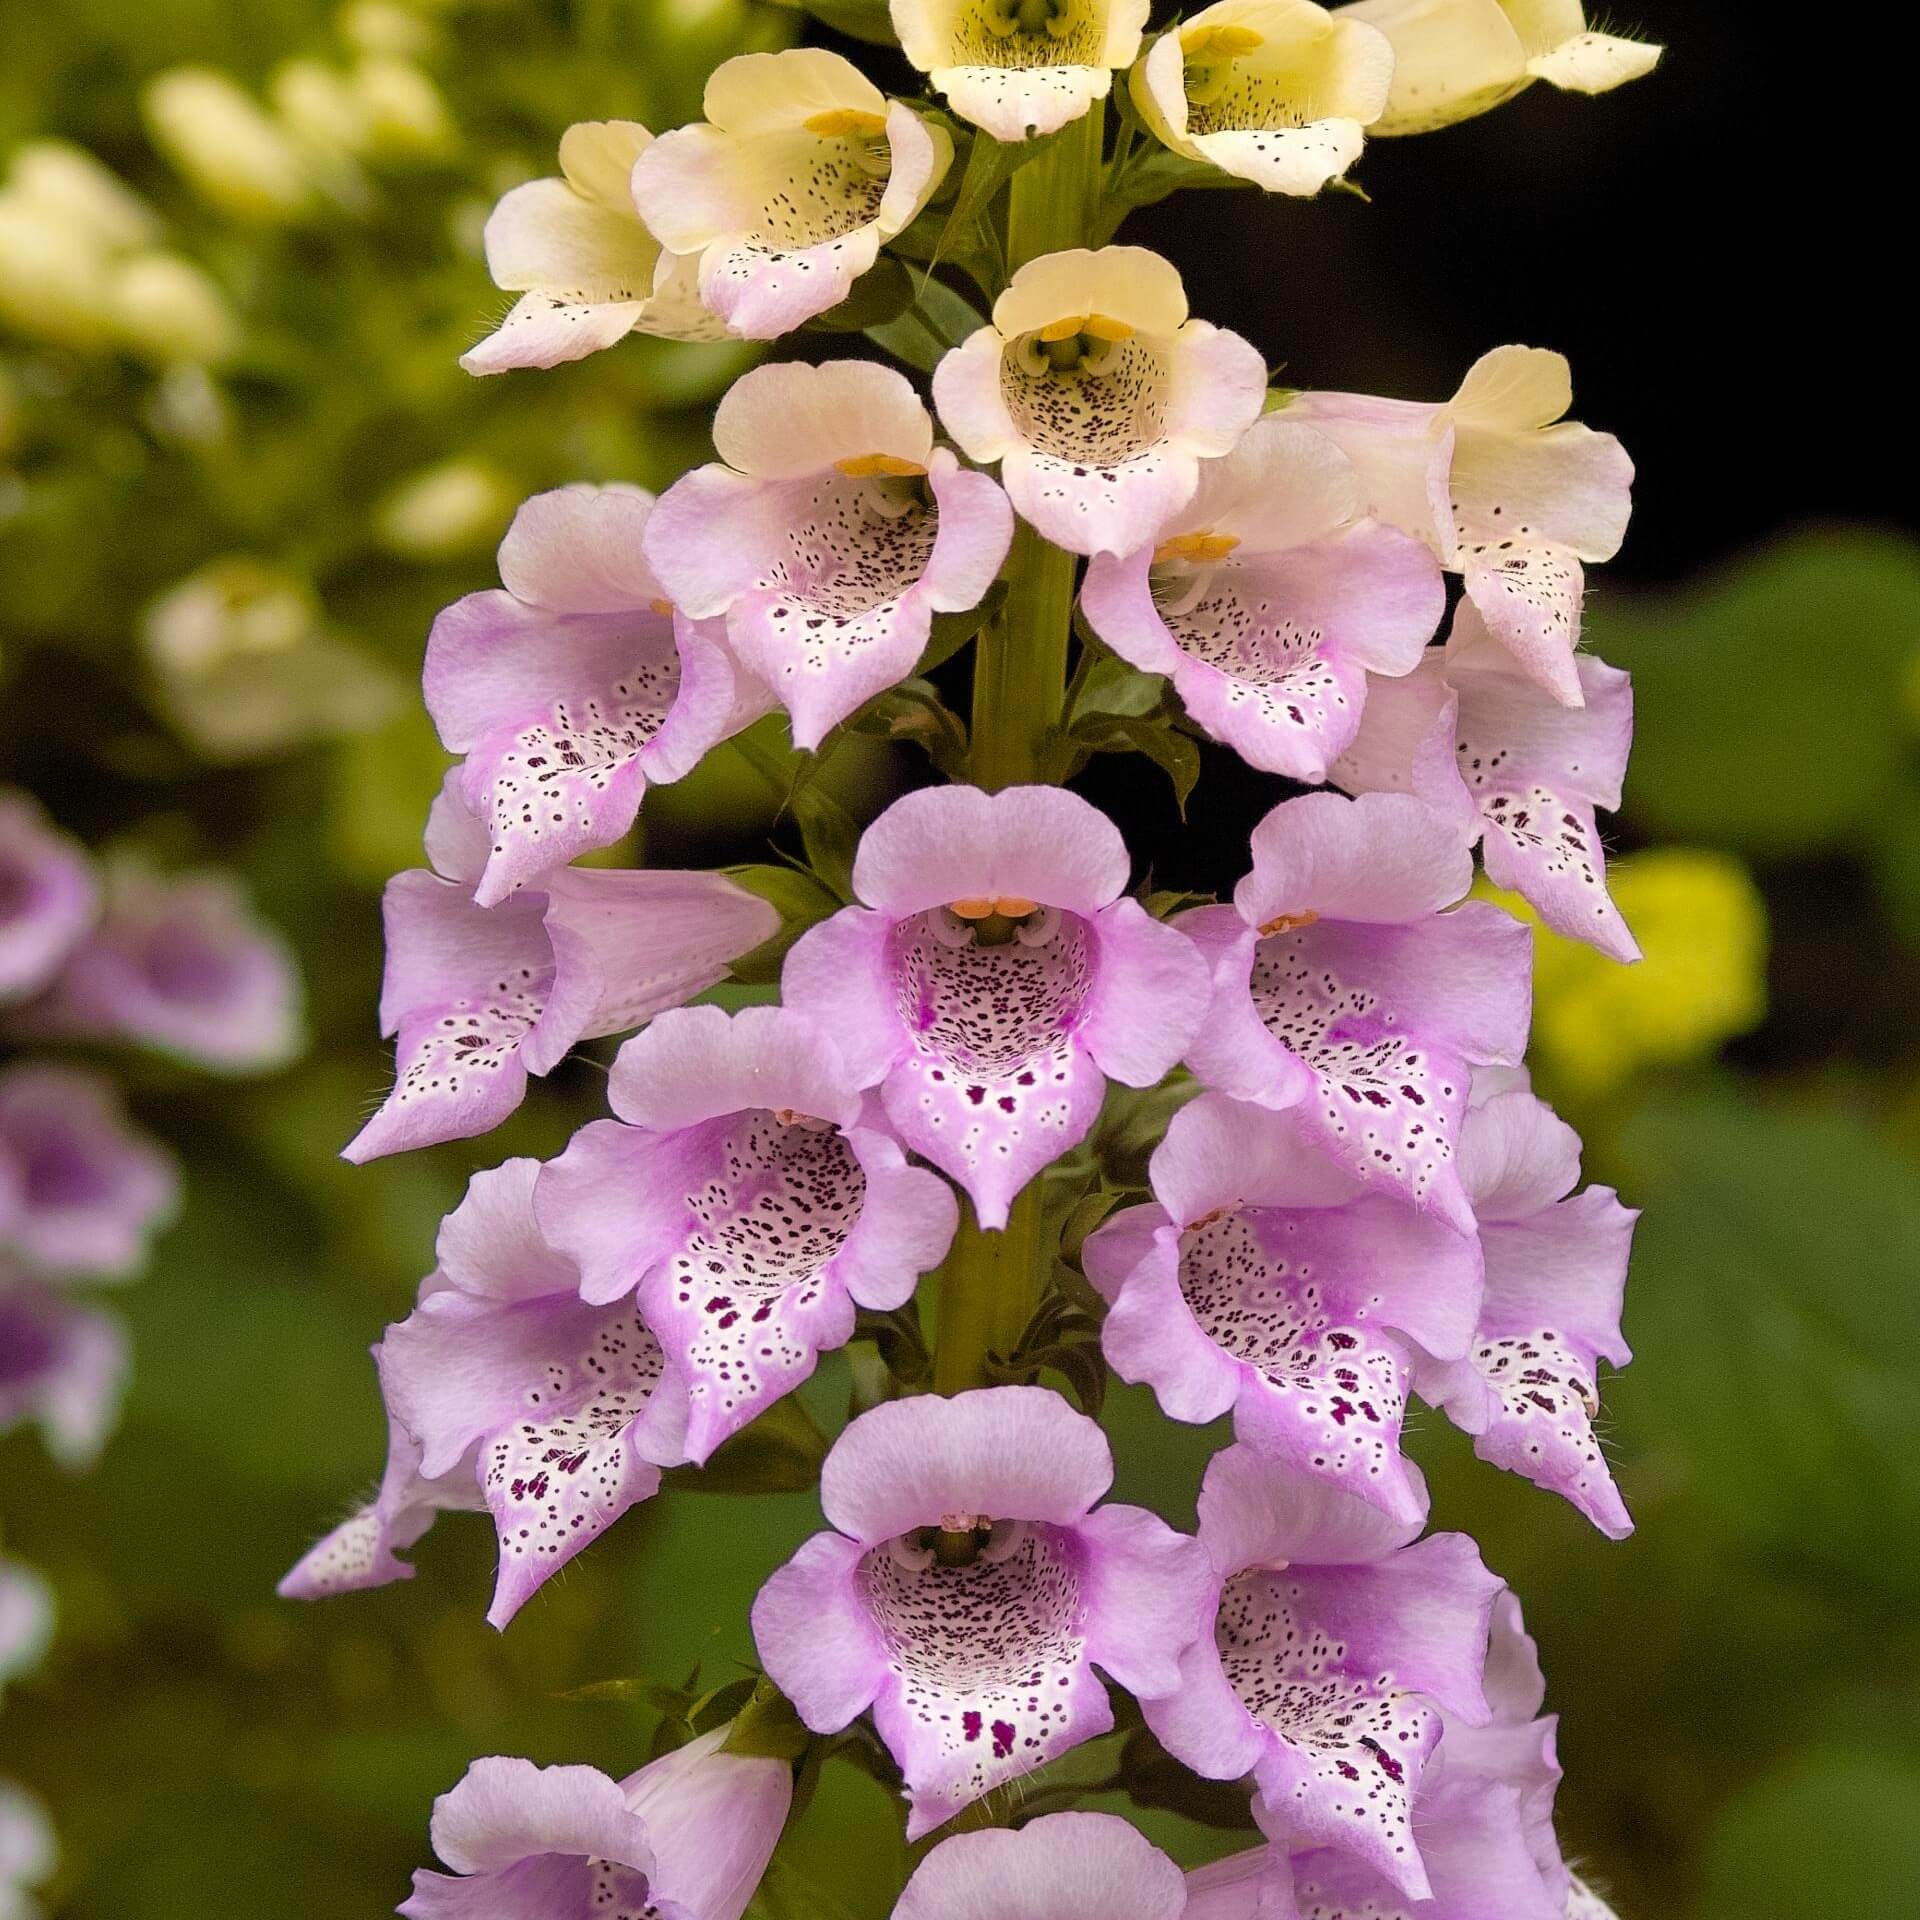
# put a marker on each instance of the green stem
(992, 1282)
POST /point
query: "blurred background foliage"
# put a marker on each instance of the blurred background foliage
(239, 470)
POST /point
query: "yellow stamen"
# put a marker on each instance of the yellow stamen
(1289, 923)
(839, 122)
(1058, 330)
(1221, 42)
(1007, 906)
(1101, 326)
(1195, 546)
(873, 466)
(662, 607)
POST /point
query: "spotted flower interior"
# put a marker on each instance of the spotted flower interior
(1089, 393)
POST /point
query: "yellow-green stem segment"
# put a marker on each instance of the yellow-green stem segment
(992, 1282)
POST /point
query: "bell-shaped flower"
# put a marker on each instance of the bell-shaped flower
(1331, 1642)
(829, 534)
(1017, 68)
(1483, 1823)
(1556, 1273)
(1534, 770)
(480, 997)
(1509, 494)
(1063, 1866)
(1453, 59)
(995, 979)
(586, 269)
(26, 1621)
(686, 1838)
(1343, 987)
(62, 1366)
(1279, 92)
(82, 1190)
(786, 192)
(1270, 600)
(505, 1391)
(1267, 1281)
(970, 1586)
(29, 1853)
(751, 1197)
(179, 963)
(47, 897)
(572, 687)
(1098, 396)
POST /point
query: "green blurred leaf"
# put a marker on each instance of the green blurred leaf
(913, 711)
(1767, 699)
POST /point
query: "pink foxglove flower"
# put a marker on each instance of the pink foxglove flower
(1331, 1643)
(1017, 68)
(996, 978)
(1509, 494)
(1484, 1816)
(1279, 92)
(1269, 1282)
(1098, 396)
(751, 1197)
(1269, 600)
(504, 1390)
(1342, 987)
(1535, 770)
(686, 1838)
(787, 191)
(28, 1852)
(829, 535)
(26, 1621)
(970, 1588)
(180, 963)
(1528, 1389)
(1063, 1866)
(62, 1366)
(1457, 58)
(479, 997)
(586, 269)
(47, 897)
(573, 688)
(82, 1190)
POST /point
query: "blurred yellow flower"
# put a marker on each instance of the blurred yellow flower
(226, 146)
(1702, 925)
(447, 509)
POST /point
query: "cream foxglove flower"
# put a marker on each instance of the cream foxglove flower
(1510, 495)
(1020, 67)
(1278, 92)
(587, 271)
(1099, 396)
(1457, 58)
(785, 193)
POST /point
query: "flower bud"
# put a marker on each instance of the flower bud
(227, 148)
(320, 106)
(165, 308)
(53, 276)
(406, 116)
(714, 1818)
(68, 182)
(444, 510)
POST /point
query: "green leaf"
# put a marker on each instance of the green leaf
(1174, 753)
(1767, 699)
(767, 1726)
(914, 711)
(868, 20)
(1152, 176)
(952, 631)
(936, 322)
(801, 901)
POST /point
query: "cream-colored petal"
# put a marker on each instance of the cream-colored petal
(71, 185)
(768, 92)
(922, 151)
(1513, 390)
(1283, 486)
(783, 421)
(968, 392)
(927, 30)
(597, 158)
(1293, 160)
(1452, 59)
(1133, 285)
(1567, 486)
(1020, 103)
(1126, 27)
(697, 184)
(1545, 24)
(1595, 62)
(675, 310)
(543, 234)
(1158, 86)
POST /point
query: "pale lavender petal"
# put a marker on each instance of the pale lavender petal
(1111, 508)
(815, 1636)
(712, 1819)
(581, 549)
(48, 899)
(1530, 599)
(504, 1811)
(1011, 1453)
(1063, 1866)
(839, 974)
(1151, 991)
(1380, 859)
(1256, 1885)
(26, 1620)
(92, 1189)
(491, 1246)
(62, 1366)
(1146, 1590)
(543, 329)
(182, 964)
